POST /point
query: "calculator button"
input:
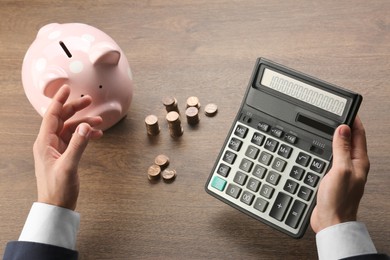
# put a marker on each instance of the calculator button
(259, 171)
(303, 159)
(317, 166)
(279, 164)
(295, 214)
(291, 186)
(297, 173)
(273, 178)
(260, 204)
(247, 197)
(285, 151)
(292, 139)
(252, 152)
(253, 184)
(241, 131)
(311, 179)
(223, 170)
(266, 191)
(229, 157)
(316, 149)
(233, 190)
(235, 144)
(246, 165)
(276, 132)
(240, 178)
(305, 193)
(218, 183)
(265, 158)
(280, 206)
(258, 139)
(271, 145)
(263, 127)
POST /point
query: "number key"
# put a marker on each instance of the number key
(240, 178)
(252, 152)
(233, 190)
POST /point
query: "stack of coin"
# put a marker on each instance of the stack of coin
(154, 172)
(170, 104)
(169, 175)
(193, 102)
(211, 109)
(174, 124)
(152, 127)
(192, 114)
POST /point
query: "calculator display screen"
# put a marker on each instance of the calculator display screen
(304, 92)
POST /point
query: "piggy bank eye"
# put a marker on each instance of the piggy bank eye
(100, 86)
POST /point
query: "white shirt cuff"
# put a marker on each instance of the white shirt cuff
(51, 225)
(344, 240)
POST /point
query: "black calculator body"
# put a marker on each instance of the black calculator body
(280, 146)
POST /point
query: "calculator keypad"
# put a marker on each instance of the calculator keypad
(264, 173)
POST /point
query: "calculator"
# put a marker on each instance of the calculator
(279, 146)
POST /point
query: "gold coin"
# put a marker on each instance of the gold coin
(211, 109)
(162, 160)
(169, 174)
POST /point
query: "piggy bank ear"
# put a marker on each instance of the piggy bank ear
(104, 53)
(52, 80)
(46, 29)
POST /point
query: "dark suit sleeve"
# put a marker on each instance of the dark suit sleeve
(20, 250)
(369, 257)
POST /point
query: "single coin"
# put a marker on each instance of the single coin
(169, 174)
(162, 160)
(154, 172)
(211, 109)
(193, 102)
(172, 117)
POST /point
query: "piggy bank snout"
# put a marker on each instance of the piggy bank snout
(110, 112)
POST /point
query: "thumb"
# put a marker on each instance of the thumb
(342, 145)
(77, 144)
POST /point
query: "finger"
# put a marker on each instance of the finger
(51, 119)
(74, 106)
(342, 147)
(359, 141)
(359, 148)
(71, 126)
(77, 145)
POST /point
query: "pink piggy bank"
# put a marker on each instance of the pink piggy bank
(86, 59)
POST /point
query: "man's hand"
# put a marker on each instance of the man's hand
(59, 147)
(342, 188)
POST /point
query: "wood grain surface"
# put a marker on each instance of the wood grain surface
(192, 48)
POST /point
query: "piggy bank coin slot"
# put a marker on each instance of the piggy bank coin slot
(63, 46)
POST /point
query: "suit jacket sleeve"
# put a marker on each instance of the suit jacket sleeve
(21, 250)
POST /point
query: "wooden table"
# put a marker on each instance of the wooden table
(192, 48)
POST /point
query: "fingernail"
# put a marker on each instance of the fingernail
(345, 132)
(83, 130)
